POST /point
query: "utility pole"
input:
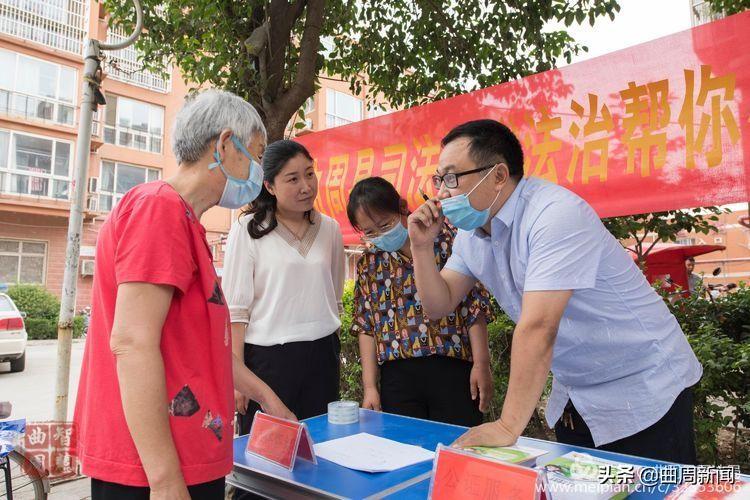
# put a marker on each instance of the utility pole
(91, 100)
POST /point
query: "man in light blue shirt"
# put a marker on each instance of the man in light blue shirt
(622, 367)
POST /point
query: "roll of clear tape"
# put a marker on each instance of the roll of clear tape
(343, 412)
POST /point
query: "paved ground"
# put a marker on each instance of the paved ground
(32, 391)
(73, 490)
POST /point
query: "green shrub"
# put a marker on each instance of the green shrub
(351, 368)
(41, 328)
(44, 329)
(719, 332)
(713, 350)
(35, 301)
(42, 309)
(78, 327)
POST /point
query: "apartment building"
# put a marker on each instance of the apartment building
(41, 66)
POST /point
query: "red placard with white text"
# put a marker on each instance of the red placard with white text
(279, 440)
(460, 475)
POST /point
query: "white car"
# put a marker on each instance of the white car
(13, 335)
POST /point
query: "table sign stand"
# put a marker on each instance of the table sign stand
(461, 475)
(279, 440)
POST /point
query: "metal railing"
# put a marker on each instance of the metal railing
(131, 138)
(39, 185)
(701, 13)
(125, 65)
(30, 107)
(60, 24)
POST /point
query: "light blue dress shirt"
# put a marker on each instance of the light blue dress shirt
(620, 355)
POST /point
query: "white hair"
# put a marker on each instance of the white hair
(200, 122)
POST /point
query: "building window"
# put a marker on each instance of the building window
(133, 124)
(342, 108)
(22, 261)
(116, 179)
(34, 89)
(125, 65)
(688, 241)
(309, 108)
(701, 12)
(60, 24)
(35, 166)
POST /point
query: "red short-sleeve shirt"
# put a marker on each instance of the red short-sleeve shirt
(153, 236)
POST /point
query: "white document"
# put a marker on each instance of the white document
(370, 453)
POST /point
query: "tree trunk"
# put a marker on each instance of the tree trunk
(275, 128)
(280, 104)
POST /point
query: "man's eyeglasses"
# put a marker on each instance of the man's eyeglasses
(451, 179)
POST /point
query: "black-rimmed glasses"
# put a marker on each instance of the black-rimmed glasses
(451, 179)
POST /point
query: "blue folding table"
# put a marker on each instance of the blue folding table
(328, 480)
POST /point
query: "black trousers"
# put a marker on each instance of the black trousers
(103, 490)
(671, 439)
(433, 388)
(304, 375)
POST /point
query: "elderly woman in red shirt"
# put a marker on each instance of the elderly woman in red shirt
(155, 403)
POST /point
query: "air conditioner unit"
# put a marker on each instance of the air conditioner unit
(93, 184)
(87, 267)
(92, 204)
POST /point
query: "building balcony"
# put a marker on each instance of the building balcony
(58, 24)
(125, 65)
(39, 109)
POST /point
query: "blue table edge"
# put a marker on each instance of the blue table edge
(427, 475)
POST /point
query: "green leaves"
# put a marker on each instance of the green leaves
(635, 230)
(412, 51)
(728, 7)
(35, 301)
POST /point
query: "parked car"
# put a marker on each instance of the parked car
(13, 335)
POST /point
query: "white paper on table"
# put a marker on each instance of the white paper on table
(370, 453)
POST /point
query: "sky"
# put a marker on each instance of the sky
(637, 22)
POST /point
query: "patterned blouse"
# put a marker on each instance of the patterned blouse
(387, 307)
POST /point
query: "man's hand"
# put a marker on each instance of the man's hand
(490, 434)
(424, 224)
(371, 400)
(481, 385)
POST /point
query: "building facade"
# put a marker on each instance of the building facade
(41, 48)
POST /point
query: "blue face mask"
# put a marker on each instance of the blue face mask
(461, 214)
(239, 192)
(393, 239)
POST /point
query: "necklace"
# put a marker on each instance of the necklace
(300, 228)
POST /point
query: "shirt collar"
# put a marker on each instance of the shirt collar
(508, 211)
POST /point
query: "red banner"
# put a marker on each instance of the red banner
(657, 126)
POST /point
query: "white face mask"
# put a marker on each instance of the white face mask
(239, 192)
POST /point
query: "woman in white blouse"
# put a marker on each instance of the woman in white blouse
(283, 281)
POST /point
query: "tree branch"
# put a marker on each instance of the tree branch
(304, 80)
(281, 21)
(656, 240)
